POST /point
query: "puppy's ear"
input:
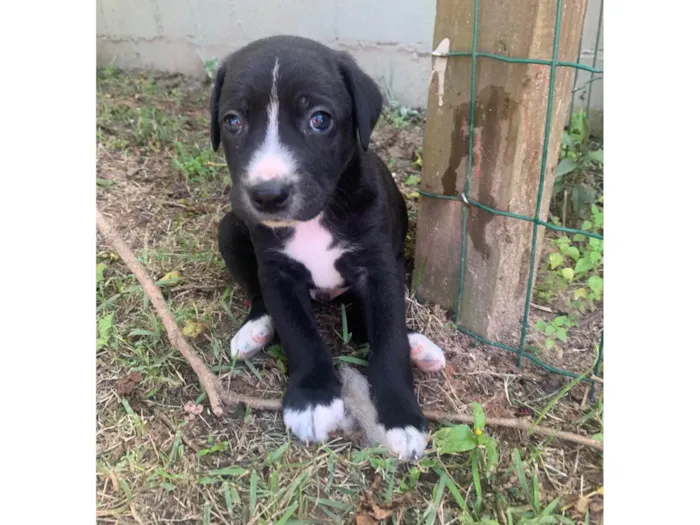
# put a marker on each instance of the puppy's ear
(214, 105)
(366, 97)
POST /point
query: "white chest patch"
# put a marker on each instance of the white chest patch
(310, 245)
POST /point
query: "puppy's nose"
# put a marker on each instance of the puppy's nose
(270, 196)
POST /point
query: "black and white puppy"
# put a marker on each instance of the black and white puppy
(316, 215)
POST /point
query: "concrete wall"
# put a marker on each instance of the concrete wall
(390, 38)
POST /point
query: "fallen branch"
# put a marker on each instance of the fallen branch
(517, 423)
(208, 379)
(219, 396)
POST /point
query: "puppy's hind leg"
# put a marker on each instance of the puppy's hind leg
(425, 354)
(238, 252)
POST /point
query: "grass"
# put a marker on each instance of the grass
(159, 462)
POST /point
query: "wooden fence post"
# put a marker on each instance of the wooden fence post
(510, 112)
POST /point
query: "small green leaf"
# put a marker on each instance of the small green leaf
(549, 344)
(595, 257)
(141, 332)
(412, 180)
(276, 352)
(562, 241)
(573, 253)
(491, 455)
(451, 440)
(580, 293)
(540, 325)
(104, 183)
(282, 365)
(595, 156)
(595, 283)
(561, 334)
(479, 416)
(567, 141)
(578, 128)
(598, 220)
(555, 259)
(101, 267)
(587, 225)
(565, 167)
(550, 330)
(580, 196)
(275, 456)
(582, 266)
(560, 320)
(104, 330)
(568, 273)
(579, 237)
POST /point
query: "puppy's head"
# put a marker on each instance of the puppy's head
(290, 114)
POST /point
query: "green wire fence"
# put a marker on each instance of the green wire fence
(554, 63)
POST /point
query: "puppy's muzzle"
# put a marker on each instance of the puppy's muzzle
(271, 196)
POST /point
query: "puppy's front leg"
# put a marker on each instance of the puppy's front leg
(380, 285)
(312, 405)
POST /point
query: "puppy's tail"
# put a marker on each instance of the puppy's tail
(355, 393)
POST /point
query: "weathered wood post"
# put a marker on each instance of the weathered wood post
(510, 110)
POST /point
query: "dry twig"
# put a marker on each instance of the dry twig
(208, 379)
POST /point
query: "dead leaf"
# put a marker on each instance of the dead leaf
(127, 383)
(115, 483)
(193, 410)
(171, 276)
(582, 505)
(364, 519)
(376, 512)
(379, 513)
(192, 328)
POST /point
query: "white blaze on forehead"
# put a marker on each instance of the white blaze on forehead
(272, 160)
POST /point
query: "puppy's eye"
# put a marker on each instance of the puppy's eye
(233, 124)
(320, 122)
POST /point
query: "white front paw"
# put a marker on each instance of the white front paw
(252, 337)
(316, 422)
(408, 443)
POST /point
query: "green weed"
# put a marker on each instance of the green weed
(579, 171)
(196, 163)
